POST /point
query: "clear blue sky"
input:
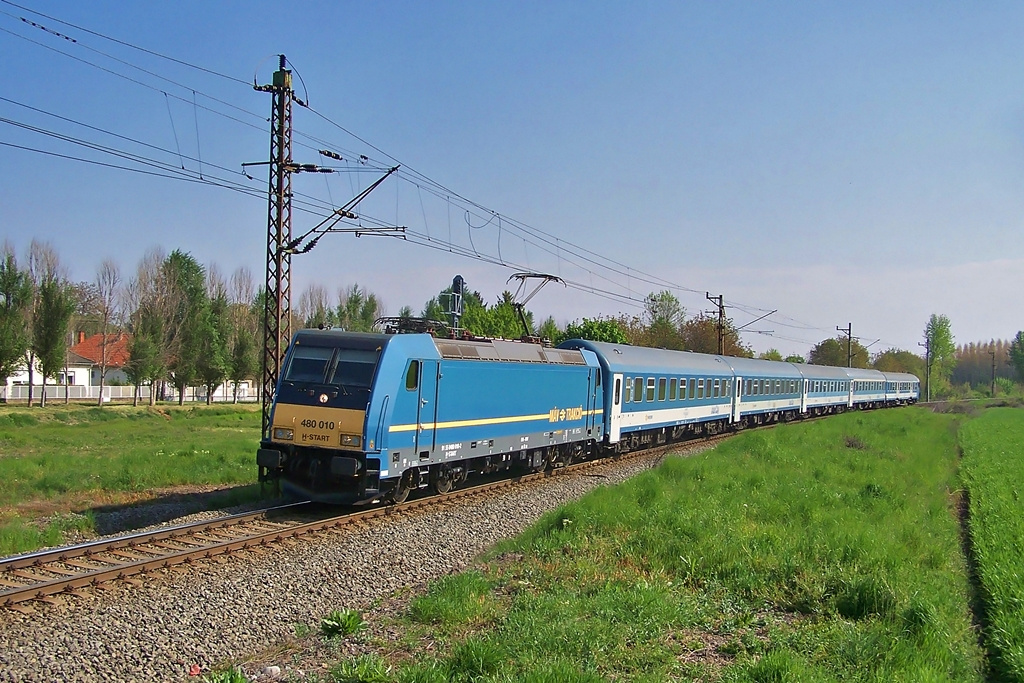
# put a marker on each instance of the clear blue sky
(839, 162)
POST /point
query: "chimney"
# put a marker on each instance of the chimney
(81, 336)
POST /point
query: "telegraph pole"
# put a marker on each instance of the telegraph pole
(927, 368)
(849, 342)
(993, 354)
(277, 306)
(718, 301)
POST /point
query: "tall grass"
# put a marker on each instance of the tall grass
(813, 552)
(993, 472)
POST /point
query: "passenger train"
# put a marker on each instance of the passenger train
(361, 417)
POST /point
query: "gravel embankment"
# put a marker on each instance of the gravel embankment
(228, 611)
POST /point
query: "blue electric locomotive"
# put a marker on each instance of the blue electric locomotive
(359, 417)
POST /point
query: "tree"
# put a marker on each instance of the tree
(898, 360)
(771, 354)
(836, 352)
(242, 364)
(43, 264)
(663, 307)
(246, 308)
(108, 279)
(595, 329)
(700, 334)
(50, 328)
(795, 359)
(315, 308)
(149, 301)
(942, 352)
(145, 357)
(15, 303)
(357, 309)
(213, 330)
(188, 322)
(1017, 355)
(549, 329)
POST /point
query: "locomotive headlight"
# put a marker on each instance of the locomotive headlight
(284, 434)
(351, 440)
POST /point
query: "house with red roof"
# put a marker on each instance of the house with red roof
(113, 346)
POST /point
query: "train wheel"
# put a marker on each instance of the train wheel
(401, 491)
(444, 479)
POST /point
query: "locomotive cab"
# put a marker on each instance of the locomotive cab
(317, 443)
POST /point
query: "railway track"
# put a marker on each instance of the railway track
(45, 575)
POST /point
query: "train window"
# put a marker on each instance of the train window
(778, 386)
(700, 388)
(672, 384)
(693, 388)
(308, 364)
(662, 388)
(618, 388)
(713, 388)
(638, 390)
(650, 389)
(412, 376)
(627, 390)
(354, 367)
(746, 387)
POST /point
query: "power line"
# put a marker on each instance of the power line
(126, 44)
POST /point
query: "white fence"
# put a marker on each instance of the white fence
(224, 393)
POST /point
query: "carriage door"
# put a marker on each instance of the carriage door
(426, 419)
(736, 398)
(594, 379)
(615, 419)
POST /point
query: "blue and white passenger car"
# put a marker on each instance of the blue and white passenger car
(656, 394)
(901, 388)
(766, 389)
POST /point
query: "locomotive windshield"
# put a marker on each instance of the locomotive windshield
(348, 368)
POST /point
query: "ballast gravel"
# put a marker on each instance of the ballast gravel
(175, 624)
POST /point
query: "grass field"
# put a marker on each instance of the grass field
(823, 551)
(72, 458)
(993, 473)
